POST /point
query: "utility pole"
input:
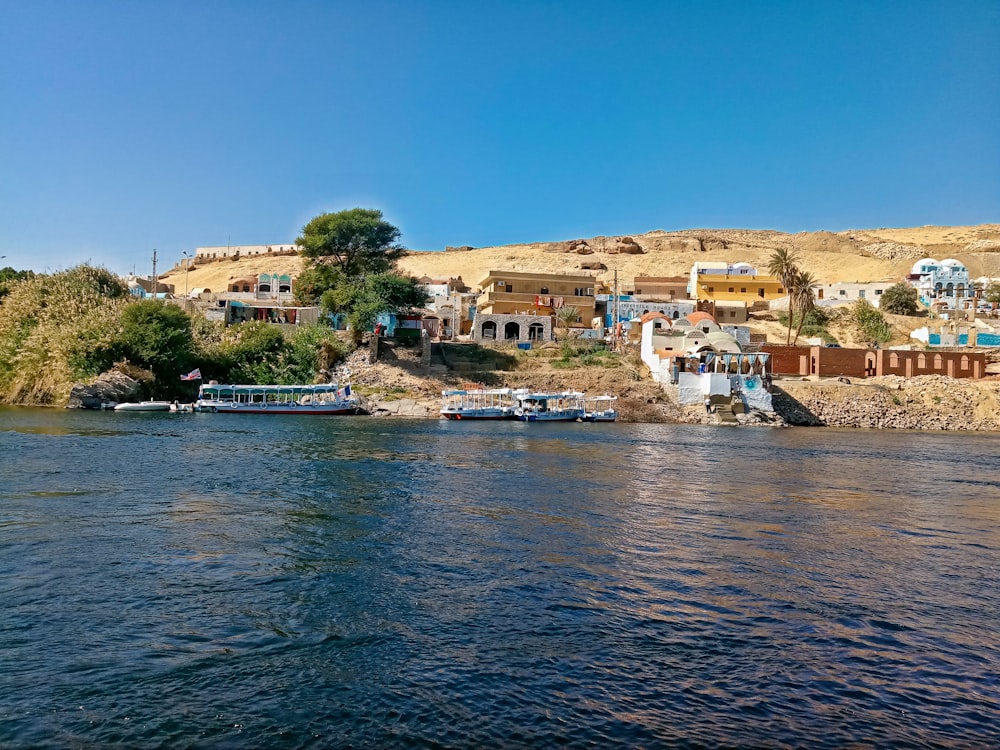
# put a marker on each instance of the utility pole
(615, 344)
(154, 273)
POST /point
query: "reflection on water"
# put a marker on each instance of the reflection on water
(197, 580)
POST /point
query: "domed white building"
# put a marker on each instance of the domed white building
(941, 280)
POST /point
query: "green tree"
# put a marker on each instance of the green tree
(783, 265)
(357, 242)
(364, 299)
(157, 336)
(899, 299)
(800, 298)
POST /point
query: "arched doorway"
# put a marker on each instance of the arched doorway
(512, 331)
(489, 330)
(536, 332)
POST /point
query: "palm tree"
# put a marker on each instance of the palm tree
(567, 315)
(801, 294)
(783, 265)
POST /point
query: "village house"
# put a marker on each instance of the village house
(660, 288)
(739, 282)
(946, 281)
(517, 306)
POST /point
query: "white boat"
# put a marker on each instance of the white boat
(144, 406)
(496, 403)
(181, 408)
(327, 398)
(600, 409)
(567, 406)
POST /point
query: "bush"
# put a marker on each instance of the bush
(870, 322)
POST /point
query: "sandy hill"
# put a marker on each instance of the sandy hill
(856, 255)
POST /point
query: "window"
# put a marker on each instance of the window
(760, 292)
(964, 362)
(843, 292)
(544, 290)
(878, 292)
(731, 290)
(711, 289)
(743, 290)
(861, 294)
(937, 362)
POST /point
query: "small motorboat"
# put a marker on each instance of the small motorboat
(144, 406)
(182, 408)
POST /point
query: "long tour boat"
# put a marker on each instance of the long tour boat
(327, 398)
(550, 407)
(496, 403)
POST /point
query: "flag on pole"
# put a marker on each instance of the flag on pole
(193, 375)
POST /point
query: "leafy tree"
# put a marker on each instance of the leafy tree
(363, 299)
(356, 241)
(783, 265)
(157, 336)
(899, 299)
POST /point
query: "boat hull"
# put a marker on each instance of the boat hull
(231, 407)
(549, 416)
(477, 414)
(144, 406)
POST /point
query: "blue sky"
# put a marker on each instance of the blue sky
(127, 126)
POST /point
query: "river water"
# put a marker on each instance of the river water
(291, 582)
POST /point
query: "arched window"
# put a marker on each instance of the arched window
(536, 332)
(921, 361)
(893, 359)
(512, 331)
(937, 361)
(964, 362)
(489, 330)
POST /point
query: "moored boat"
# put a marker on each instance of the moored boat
(600, 409)
(567, 406)
(326, 398)
(496, 403)
(144, 406)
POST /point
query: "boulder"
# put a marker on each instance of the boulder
(628, 246)
(110, 387)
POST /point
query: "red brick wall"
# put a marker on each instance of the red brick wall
(834, 361)
(785, 360)
(932, 363)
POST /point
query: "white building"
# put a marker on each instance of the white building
(848, 292)
(947, 280)
(243, 251)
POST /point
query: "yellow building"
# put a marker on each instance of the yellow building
(735, 283)
(515, 293)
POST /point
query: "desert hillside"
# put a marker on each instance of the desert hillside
(856, 255)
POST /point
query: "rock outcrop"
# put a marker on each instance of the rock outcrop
(110, 387)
